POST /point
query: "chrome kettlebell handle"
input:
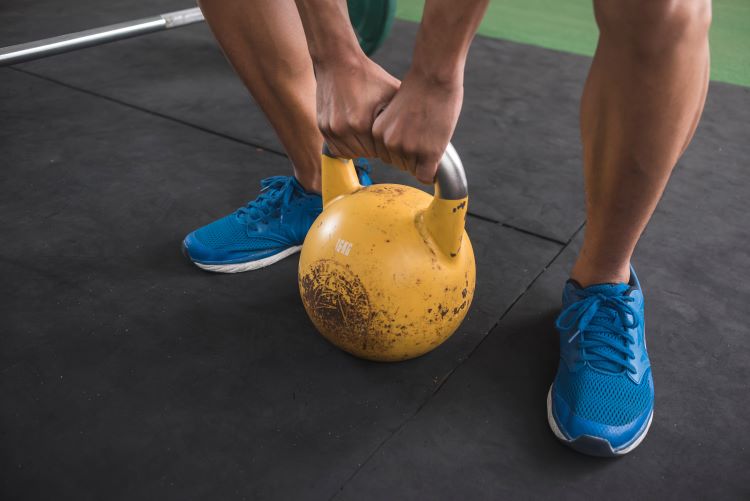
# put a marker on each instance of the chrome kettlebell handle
(450, 180)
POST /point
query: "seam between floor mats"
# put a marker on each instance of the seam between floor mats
(459, 364)
(148, 111)
(517, 228)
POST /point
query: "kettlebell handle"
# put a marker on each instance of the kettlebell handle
(450, 180)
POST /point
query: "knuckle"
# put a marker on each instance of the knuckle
(392, 143)
(336, 129)
(360, 126)
(411, 149)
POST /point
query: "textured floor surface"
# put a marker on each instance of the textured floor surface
(126, 373)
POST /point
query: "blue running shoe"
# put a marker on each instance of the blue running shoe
(265, 231)
(602, 399)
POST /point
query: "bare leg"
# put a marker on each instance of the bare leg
(265, 42)
(640, 107)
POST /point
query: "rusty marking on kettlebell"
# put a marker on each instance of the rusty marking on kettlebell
(386, 189)
(459, 308)
(339, 304)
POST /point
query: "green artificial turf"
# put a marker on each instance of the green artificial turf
(568, 25)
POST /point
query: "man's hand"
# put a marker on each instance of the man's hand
(414, 130)
(416, 126)
(351, 88)
(418, 120)
(349, 98)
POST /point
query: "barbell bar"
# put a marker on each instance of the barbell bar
(371, 20)
(73, 41)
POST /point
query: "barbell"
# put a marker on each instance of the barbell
(371, 20)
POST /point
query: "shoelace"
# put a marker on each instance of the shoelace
(602, 322)
(363, 164)
(276, 191)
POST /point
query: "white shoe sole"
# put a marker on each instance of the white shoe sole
(250, 265)
(594, 446)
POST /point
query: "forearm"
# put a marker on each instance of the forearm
(329, 33)
(444, 37)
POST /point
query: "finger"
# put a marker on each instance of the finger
(325, 128)
(426, 170)
(335, 147)
(363, 136)
(366, 146)
(344, 148)
(349, 146)
(410, 161)
(380, 148)
(398, 160)
(382, 152)
(340, 134)
(396, 152)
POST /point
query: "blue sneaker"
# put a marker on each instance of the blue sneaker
(602, 399)
(265, 231)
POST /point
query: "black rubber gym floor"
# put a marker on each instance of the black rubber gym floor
(127, 373)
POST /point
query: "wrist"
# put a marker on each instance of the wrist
(443, 40)
(332, 56)
(449, 77)
(444, 68)
(330, 37)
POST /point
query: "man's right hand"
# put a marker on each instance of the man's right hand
(350, 95)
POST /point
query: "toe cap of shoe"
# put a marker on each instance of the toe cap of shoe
(195, 250)
(200, 252)
(574, 426)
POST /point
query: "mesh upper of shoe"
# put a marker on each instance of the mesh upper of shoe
(600, 389)
(259, 225)
(611, 399)
(229, 232)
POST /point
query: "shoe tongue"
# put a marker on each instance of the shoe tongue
(602, 318)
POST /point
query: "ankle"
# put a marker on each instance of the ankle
(311, 183)
(587, 273)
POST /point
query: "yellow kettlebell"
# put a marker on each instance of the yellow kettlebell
(386, 271)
